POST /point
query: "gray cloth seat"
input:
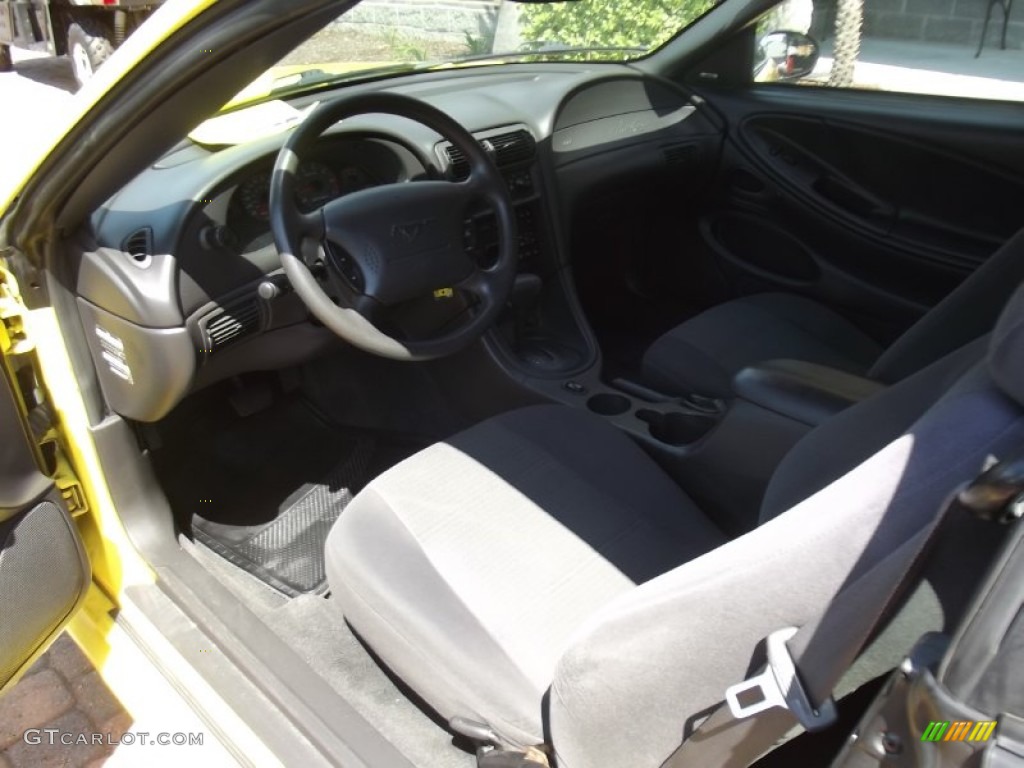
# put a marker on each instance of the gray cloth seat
(704, 353)
(510, 534)
(540, 574)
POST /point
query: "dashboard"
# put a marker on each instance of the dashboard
(181, 271)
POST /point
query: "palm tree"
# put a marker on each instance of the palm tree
(849, 18)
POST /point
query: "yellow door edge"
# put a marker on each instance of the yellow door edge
(66, 451)
(115, 561)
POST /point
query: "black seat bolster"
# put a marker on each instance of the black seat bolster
(805, 392)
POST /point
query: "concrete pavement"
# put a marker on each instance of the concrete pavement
(34, 100)
(934, 68)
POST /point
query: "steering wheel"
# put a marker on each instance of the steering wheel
(386, 245)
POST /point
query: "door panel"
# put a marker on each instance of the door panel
(43, 575)
(877, 204)
(888, 186)
(44, 572)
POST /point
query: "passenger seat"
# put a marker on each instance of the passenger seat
(703, 354)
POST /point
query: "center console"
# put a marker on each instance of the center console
(722, 452)
(541, 333)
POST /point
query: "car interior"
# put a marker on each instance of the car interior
(514, 406)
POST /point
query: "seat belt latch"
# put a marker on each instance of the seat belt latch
(779, 686)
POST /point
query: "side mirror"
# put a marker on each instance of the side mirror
(785, 55)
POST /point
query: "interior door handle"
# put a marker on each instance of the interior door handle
(854, 200)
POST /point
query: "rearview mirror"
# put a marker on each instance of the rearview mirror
(785, 55)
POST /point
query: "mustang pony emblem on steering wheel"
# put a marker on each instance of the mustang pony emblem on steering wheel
(410, 230)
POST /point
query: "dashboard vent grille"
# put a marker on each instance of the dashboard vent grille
(506, 149)
(512, 148)
(458, 166)
(232, 323)
(139, 244)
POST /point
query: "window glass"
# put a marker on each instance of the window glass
(380, 37)
(939, 47)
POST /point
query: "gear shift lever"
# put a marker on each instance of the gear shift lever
(522, 302)
(534, 345)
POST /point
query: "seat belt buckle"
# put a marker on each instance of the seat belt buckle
(779, 686)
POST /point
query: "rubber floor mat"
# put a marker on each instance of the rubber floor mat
(288, 553)
(263, 491)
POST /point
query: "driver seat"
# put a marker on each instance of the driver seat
(540, 574)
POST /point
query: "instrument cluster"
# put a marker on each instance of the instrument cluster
(317, 184)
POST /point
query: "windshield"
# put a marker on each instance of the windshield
(380, 36)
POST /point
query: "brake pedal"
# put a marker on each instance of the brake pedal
(250, 398)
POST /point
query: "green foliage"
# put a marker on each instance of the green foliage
(476, 45)
(404, 48)
(643, 24)
(411, 51)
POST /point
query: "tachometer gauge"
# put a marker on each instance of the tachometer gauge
(254, 195)
(315, 185)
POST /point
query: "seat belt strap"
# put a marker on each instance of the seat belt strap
(737, 733)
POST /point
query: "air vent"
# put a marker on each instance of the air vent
(506, 149)
(232, 323)
(458, 166)
(139, 244)
(511, 148)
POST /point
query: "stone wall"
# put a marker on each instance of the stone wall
(941, 21)
(425, 19)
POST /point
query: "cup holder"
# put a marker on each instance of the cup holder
(676, 428)
(607, 404)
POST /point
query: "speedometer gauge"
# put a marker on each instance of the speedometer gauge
(254, 195)
(315, 185)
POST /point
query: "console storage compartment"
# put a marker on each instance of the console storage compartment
(805, 392)
(777, 403)
(676, 427)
